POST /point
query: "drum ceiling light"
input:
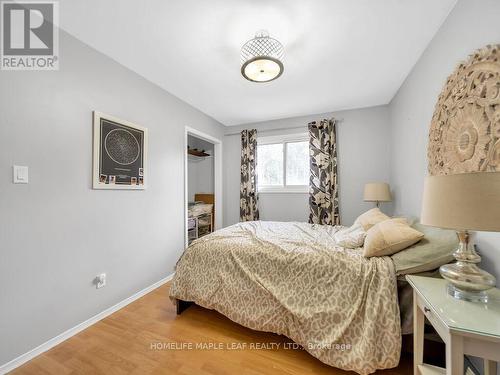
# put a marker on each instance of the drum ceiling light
(261, 58)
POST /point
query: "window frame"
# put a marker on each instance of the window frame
(282, 139)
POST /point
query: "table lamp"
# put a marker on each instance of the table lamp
(377, 192)
(466, 201)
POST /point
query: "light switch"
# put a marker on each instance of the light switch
(20, 174)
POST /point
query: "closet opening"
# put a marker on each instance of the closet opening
(203, 185)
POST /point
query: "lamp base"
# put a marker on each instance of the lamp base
(466, 296)
(467, 281)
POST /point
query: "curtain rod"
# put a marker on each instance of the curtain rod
(278, 129)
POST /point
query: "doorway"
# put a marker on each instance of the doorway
(203, 184)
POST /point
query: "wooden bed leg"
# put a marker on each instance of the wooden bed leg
(182, 305)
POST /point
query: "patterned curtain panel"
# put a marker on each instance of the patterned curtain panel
(249, 210)
(323, 186)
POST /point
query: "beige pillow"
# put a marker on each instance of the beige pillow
(389, 237)
(370, 218)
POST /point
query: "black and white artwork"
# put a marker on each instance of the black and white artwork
(120, 154)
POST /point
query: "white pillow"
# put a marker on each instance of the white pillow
(352, 237)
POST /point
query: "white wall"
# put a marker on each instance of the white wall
(56, 233)
(471, 25)
(363, 155)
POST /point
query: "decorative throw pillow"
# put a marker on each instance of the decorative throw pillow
(370, 218)
(389, 237)
(352, 237)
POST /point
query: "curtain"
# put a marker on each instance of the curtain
(249, 209)
(323, 184)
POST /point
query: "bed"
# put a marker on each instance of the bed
(292, 279)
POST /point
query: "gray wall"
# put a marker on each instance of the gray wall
(471, 25)
(57, 234)
(363, 153)
(200, 177)
(200, 170)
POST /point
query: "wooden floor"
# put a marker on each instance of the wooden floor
(123, 343)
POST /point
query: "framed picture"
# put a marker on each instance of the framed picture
(120, 154)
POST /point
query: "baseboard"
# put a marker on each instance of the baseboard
(16, 362)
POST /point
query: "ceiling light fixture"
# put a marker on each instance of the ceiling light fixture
(261, 58)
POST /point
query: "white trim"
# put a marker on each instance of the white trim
(16, 362)
(297, 189)
(283, 138)
(217, 177)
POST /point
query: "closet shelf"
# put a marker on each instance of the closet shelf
(196, 152)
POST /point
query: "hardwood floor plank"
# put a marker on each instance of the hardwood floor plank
(141, 339)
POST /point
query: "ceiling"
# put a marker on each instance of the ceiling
(339, 54)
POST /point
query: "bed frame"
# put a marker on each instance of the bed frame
(182, 305)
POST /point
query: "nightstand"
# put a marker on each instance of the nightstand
(465, 327)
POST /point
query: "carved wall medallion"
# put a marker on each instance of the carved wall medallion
(465, 128)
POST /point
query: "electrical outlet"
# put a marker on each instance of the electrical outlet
(100, 281)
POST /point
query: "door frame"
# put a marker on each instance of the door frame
(217, 177)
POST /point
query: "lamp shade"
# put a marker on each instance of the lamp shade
(377, 192)
(466, 201)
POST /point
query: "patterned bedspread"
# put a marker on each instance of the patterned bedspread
(291, 279)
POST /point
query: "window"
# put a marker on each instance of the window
(283, 163)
